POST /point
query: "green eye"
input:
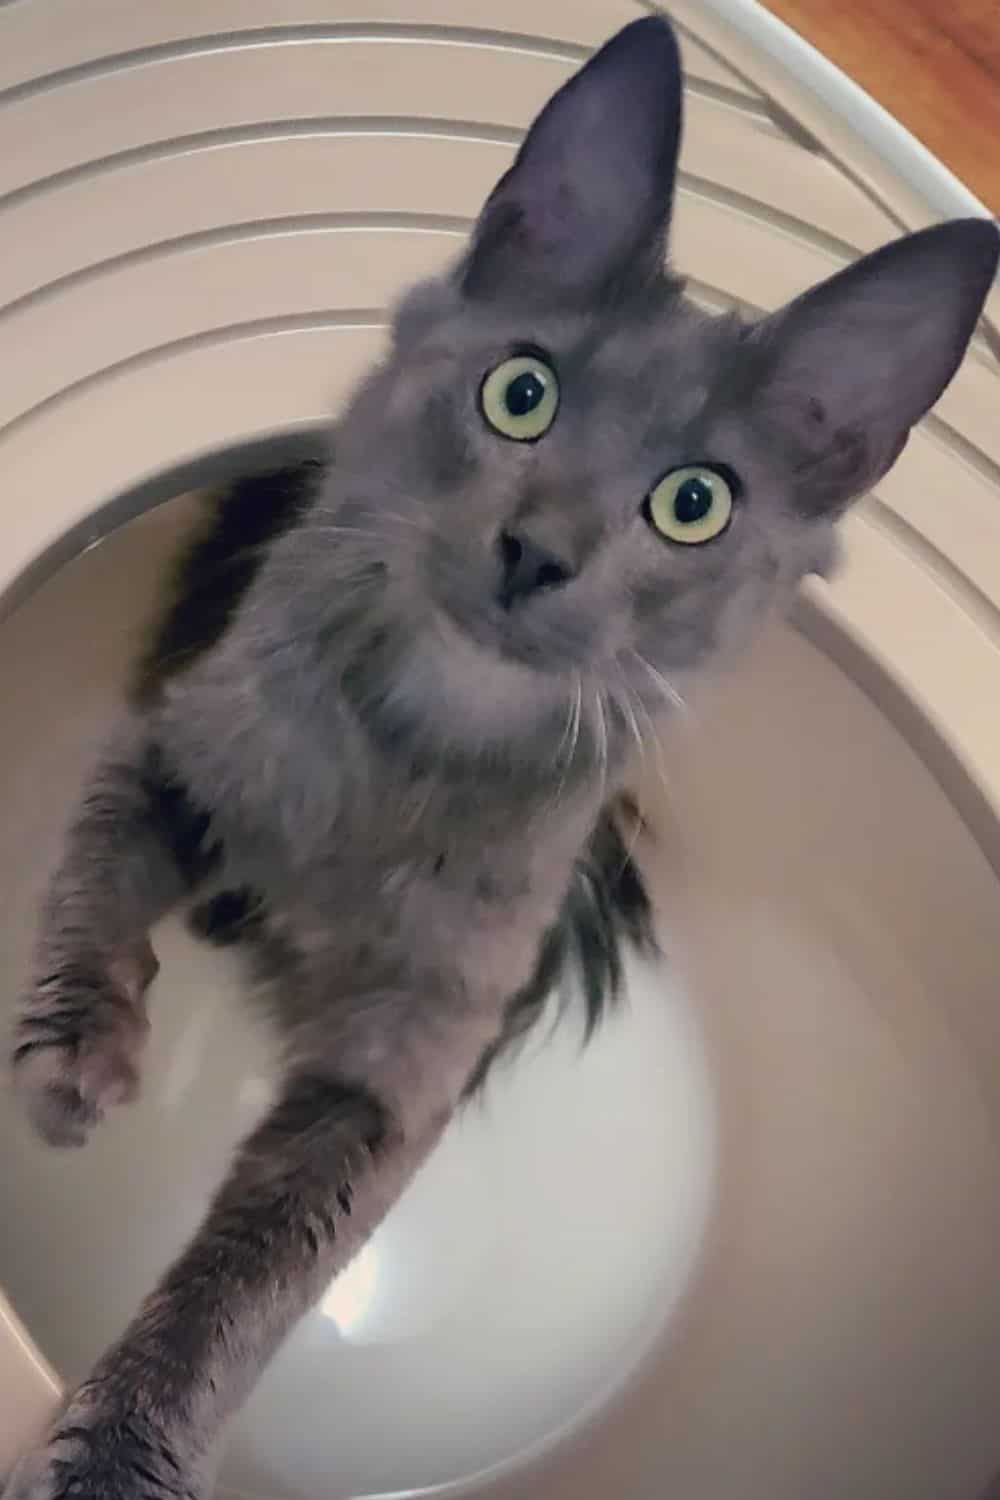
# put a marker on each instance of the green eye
(690, 505)
(520, 397)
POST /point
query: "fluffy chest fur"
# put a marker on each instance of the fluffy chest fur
(399, 909)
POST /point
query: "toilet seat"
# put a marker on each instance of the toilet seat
(206, 207)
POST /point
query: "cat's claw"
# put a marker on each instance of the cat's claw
(77, 1045)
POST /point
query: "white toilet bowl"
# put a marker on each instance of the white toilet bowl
(745, 1245)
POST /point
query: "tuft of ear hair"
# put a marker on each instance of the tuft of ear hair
(848, 368)
(587, 202)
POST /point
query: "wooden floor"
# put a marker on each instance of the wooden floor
(934, 64)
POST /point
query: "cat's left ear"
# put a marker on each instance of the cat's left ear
(587, 201)
(848, 368)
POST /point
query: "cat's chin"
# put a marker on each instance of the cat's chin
(497, 637)
(478, 697)
(447, 698)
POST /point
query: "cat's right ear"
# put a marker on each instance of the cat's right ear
(587, 201)
(851, 366)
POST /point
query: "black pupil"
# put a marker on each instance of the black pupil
(693, 501)
(524, 393)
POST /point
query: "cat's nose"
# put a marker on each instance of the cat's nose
(527, 568)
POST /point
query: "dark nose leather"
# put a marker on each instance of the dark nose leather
(527, 569)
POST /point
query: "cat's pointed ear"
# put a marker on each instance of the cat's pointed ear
(587, 201)
(850, 366)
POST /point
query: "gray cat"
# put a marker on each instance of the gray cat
(562, 497)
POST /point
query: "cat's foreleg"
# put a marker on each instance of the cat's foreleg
(308, 1187)
(135, 845)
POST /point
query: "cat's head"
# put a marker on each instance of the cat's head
(568, 489)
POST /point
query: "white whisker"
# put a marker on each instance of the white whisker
(324, 530)
(393, 515)
(577, 716)
(370, 515)
(625, 704)
(657, 743)
(669, 692)
(628, 701)
(570, 736)
(567, 730)
(602, 724)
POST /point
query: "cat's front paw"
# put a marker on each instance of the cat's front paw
(77, 1041)
(94, 1456)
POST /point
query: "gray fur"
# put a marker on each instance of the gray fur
(407, 772)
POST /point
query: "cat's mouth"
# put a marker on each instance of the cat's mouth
(544, 639)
